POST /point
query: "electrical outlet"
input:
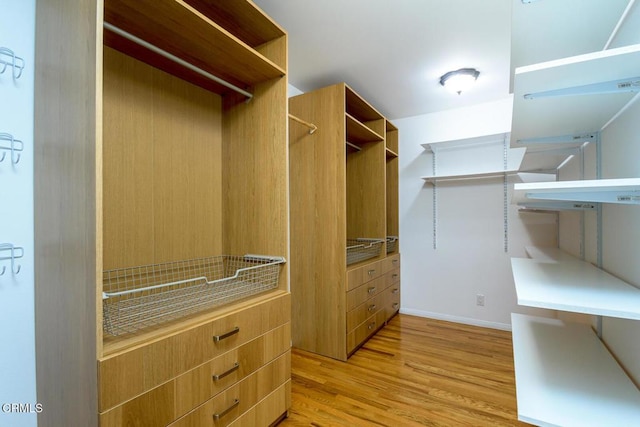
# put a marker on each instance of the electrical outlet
(480, 300)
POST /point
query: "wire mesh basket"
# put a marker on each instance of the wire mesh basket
(139, 297)
(361, 249)
(392, 243)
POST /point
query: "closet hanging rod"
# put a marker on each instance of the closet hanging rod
(175, 59)
(311, 126)
(354, 146)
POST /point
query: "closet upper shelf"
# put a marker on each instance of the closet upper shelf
(230, 48)
(573, 285)
(566, 376)
(358, 133)
(621, 191)
(552, 116)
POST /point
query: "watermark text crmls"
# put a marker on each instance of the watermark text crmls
(21, 408)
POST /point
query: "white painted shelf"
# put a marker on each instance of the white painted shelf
(622, 191)
(514, 159)
(549, 254)
(575, 286)
(566, 377)
(466, 143)
(578, 114)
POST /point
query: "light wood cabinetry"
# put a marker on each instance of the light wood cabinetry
(149, 154)
(344, 186)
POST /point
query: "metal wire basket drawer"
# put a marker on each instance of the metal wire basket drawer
(140, 297)
(392, 242)
(361, 249)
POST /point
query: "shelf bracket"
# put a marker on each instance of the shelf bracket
(505, 194)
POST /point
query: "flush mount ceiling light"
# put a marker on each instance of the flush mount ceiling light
(459, 80)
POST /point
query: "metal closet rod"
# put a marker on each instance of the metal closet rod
(311, 126)
(175, 59)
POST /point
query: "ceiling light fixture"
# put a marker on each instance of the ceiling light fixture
(459, 80)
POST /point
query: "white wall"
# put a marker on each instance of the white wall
(470, 258)
(17, 339)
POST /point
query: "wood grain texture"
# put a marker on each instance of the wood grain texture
(67, 141)
(413, 372)
(318, 222)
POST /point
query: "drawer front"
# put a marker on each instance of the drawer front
(200, 384)
(363, 274)
(390, 263)
(362, 312)
(129, 374)
(177, 397)
(392, 277)
(227, 406)
(268, 410)
(365, 330)
(392, 300)
(359, 295)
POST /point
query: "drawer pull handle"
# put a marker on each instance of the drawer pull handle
(371, 272)
(395, 291)
(371, 325)
(395, 305)
(218, 338)
(236, 402)
(395, 261)
(395, 275)
(371, 289)
(224, 374)
(372, 307)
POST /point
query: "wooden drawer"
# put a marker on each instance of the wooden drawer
(359, 295)
(391, 277)
(390, 262)
(391, 300)
(365, 330)
(177, 397)
(131, 373)
(200, 384)
(227, 406)
(359, 314)
(363, 274)
(268, 409)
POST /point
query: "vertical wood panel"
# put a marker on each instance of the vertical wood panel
(162, 166)
(128, 161)
(187, 180)
(67, 200)
(255, 174)
(318, 222)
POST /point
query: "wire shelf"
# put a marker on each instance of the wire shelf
(140, 297)
(361, 249)
(392, 242)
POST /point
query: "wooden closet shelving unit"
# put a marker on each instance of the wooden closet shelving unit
(344, 185)
(169, 165)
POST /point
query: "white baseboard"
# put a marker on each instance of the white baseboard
(456, 319)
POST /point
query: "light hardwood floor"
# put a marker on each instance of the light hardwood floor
(413, 372)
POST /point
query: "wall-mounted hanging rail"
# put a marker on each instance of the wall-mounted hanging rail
(175, 59)
(9, 143)
(10, 252)
(9, 59)
(311, 126)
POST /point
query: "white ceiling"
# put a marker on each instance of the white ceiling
(392, 52)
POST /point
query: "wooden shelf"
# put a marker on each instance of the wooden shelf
(174, 25)
(357, 107)
(358, 133)
(566, 377)
(622, 191)
(390, 154)
(563, 115)
(574, 285)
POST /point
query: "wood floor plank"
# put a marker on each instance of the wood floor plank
(413, 372)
